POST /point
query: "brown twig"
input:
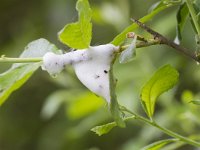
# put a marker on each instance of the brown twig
(164, 40)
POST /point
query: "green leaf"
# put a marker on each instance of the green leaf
(122, 36)
(83, 105)
(159, 144)
(163, 80)
(128, 54)
(181, 17)
(78, 35)
(187, 96)
(18, 74)
(55, 100)
(196, 102)
(104, 129)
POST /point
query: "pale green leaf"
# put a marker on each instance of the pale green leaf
(128, 54)
(78, 35)
(159, 144)
(163, 80)
(55, 100)
(187, 96)
(83, 105)
(18, 74)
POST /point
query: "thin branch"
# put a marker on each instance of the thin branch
(4, 59)
(166, 131)
(141, 44)
(164, 40)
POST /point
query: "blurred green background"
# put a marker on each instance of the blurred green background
(57, 114)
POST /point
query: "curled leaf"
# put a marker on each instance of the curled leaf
(129, 54)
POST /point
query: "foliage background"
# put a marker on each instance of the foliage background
(57, 114)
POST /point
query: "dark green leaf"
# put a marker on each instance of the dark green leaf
(159, 144)
(181, 17)
(79, 34)
(18, 74)
(197, 8)
(100, 130)
(103, 129)
(114, 106)
(196, 5)
(163, 80)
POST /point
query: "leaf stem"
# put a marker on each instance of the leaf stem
(4, 59)
(193, 15)
(166, 131)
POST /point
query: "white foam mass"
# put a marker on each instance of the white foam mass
(91, 66)
(53, 63)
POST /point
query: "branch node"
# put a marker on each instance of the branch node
(3, 56)
(163, 40)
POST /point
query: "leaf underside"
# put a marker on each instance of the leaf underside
(18, 74)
